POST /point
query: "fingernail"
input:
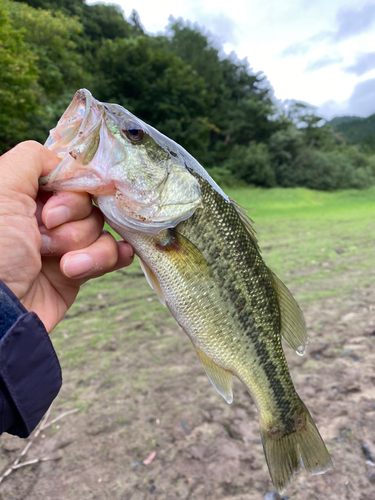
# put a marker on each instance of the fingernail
(46, 249)
(128, 247)
(56, 216)
(77, 265)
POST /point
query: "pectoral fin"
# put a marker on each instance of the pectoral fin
(221, 379)
(293, 326)
(152, 281)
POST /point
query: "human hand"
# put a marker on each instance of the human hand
(49, 244)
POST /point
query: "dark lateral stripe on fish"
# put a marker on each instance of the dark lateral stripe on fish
(246, 251)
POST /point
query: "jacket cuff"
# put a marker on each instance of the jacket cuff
(10, 309)
(30, 373)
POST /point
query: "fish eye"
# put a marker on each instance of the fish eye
(134, 134)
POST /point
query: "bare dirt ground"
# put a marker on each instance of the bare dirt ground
(139, 390)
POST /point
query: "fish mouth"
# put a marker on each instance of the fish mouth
(87, 181)
(75, 140)
(73, 120)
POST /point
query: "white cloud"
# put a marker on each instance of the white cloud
(323, 62)
(363, 63)
(360, 103)
(277, 36)
(353, 21)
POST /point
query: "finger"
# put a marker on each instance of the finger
(72, 235)
(125, 255)
(22, 166)
(101, 257)
(66, 207)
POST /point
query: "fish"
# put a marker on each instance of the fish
(199, 252)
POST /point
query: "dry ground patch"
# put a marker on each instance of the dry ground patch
(138, 387)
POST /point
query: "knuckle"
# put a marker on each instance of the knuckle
(110, 254)
(77, 237)
(31, 143)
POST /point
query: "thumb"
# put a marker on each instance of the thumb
(21, 167)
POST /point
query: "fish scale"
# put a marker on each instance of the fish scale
(199, 252)
(248, 294)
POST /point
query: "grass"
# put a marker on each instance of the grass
(300, 202)
(308, 238)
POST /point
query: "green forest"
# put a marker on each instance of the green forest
(356, 130)
(215, 106)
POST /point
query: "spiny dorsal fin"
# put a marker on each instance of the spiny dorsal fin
(221, 379)
(293, 325)
(152, 281)
(247, 222)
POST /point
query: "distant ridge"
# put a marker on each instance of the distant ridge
(356, 130)
(341, 119)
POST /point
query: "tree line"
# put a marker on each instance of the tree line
(212, 104)
(357, 130)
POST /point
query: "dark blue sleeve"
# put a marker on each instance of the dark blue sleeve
(30, 374)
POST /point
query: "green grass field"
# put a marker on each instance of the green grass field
(309, 235)
(127, 365)
(303, 203)
(312, 240)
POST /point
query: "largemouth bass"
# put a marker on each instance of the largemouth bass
(199, 252)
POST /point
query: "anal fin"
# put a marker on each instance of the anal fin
(293, 325)
(152, 281)
(221, 379)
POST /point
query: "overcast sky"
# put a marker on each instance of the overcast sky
(317, 51)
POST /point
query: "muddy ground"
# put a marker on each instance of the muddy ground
(138, 388)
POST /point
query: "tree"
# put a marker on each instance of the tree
(238, 102)
(153, 83)
(50, 37)
(252, 164)
(135, 21)
(18, 77)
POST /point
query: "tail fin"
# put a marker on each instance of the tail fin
(284, 450)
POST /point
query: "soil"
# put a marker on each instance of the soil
(141, 394)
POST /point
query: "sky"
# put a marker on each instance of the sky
(321, 52)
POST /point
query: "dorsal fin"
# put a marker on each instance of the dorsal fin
(293, 325)
(247, 222)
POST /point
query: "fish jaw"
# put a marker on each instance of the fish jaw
(122, 223)
(75, 140)
(146, 186)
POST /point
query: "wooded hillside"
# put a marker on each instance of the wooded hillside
(216, 107)
(357, 130)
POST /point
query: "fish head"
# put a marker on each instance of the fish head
(140, 179)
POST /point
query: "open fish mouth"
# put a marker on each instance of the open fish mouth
(69, 124)
(75, 140)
